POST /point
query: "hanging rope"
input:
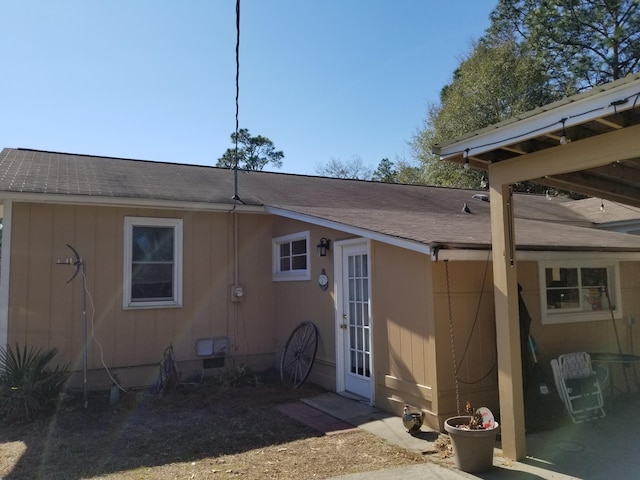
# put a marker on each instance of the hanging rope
(473, 327)
(453, 345)
(456, 365)
(615, 330)
(237, 75)
(235, 163)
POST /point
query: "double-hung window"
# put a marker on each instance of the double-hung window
(152, 262)
(578, 291)
(291, 257)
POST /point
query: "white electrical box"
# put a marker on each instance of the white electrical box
(207, 347)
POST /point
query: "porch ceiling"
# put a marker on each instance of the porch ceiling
(605, 113)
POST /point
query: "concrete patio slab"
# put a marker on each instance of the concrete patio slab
(603, 449)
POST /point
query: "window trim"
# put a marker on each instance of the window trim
(613, 281)
(290, 275)
(176, 224)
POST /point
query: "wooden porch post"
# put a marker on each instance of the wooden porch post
(507, 322)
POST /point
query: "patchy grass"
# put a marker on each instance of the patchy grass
(202, 431)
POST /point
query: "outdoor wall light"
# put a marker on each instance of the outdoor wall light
(466, 159)
(323, 247)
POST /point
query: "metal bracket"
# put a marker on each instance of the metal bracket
(77, 263)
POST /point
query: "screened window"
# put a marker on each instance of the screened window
(572, 293)
(291, 257)
(153, 262)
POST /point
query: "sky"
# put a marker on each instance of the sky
(156, 79)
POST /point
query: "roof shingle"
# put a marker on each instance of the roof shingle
(429, 215)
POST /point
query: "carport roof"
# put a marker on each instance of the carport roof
(600, 111)
(419, 217)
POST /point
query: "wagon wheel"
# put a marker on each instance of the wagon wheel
(299, 354)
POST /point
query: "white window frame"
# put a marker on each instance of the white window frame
(290, 275)
(551, 317)
(176, 224)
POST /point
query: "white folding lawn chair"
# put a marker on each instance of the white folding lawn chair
(578, 386)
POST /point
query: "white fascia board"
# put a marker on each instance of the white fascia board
(361, 232)
(620, 226)
(578, 109)
(535, 255)
(127, 202)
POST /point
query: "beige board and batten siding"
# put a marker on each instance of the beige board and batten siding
(45, 311)
(403, 329)
(304, 300)
(590, 336)
(464, 301)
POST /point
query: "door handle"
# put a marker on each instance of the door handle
(343, 326)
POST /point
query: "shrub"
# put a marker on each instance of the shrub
(28, 387)
(241, 376)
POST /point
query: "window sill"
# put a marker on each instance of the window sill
(291, 277)
(150, 305)
(578, 317)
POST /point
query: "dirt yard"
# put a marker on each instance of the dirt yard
(202, 431)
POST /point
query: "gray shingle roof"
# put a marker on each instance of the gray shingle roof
(611, 213)
(417, 213)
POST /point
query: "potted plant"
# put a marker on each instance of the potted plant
(473, 437)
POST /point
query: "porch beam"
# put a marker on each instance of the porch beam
(597, 151)
(507, 323)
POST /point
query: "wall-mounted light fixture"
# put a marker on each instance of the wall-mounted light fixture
(466, 165)
(323, 247)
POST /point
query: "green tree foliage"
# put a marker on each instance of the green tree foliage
(410, 174)
(581, 43)
(495, 82)
(254, 153)
(534, 52)
(354, 169)
(386, 172)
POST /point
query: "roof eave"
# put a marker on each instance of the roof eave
(35, 197)
(597, 102)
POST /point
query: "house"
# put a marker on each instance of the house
(587, 144)
(175, 253)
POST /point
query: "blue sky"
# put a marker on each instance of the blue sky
(155, 79)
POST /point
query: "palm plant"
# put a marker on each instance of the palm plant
(28, 386)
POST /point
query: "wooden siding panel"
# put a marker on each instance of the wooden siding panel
(403, 327)
(594, 336)
(470, 292)
(38, 267)
(46, 311)
(66, 296)
(198, 275)
(297, 301)
(254, 316)
(104, 283)
(18, 315)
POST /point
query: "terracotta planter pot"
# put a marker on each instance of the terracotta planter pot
(473, 449)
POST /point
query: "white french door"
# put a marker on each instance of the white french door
(354, 320)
